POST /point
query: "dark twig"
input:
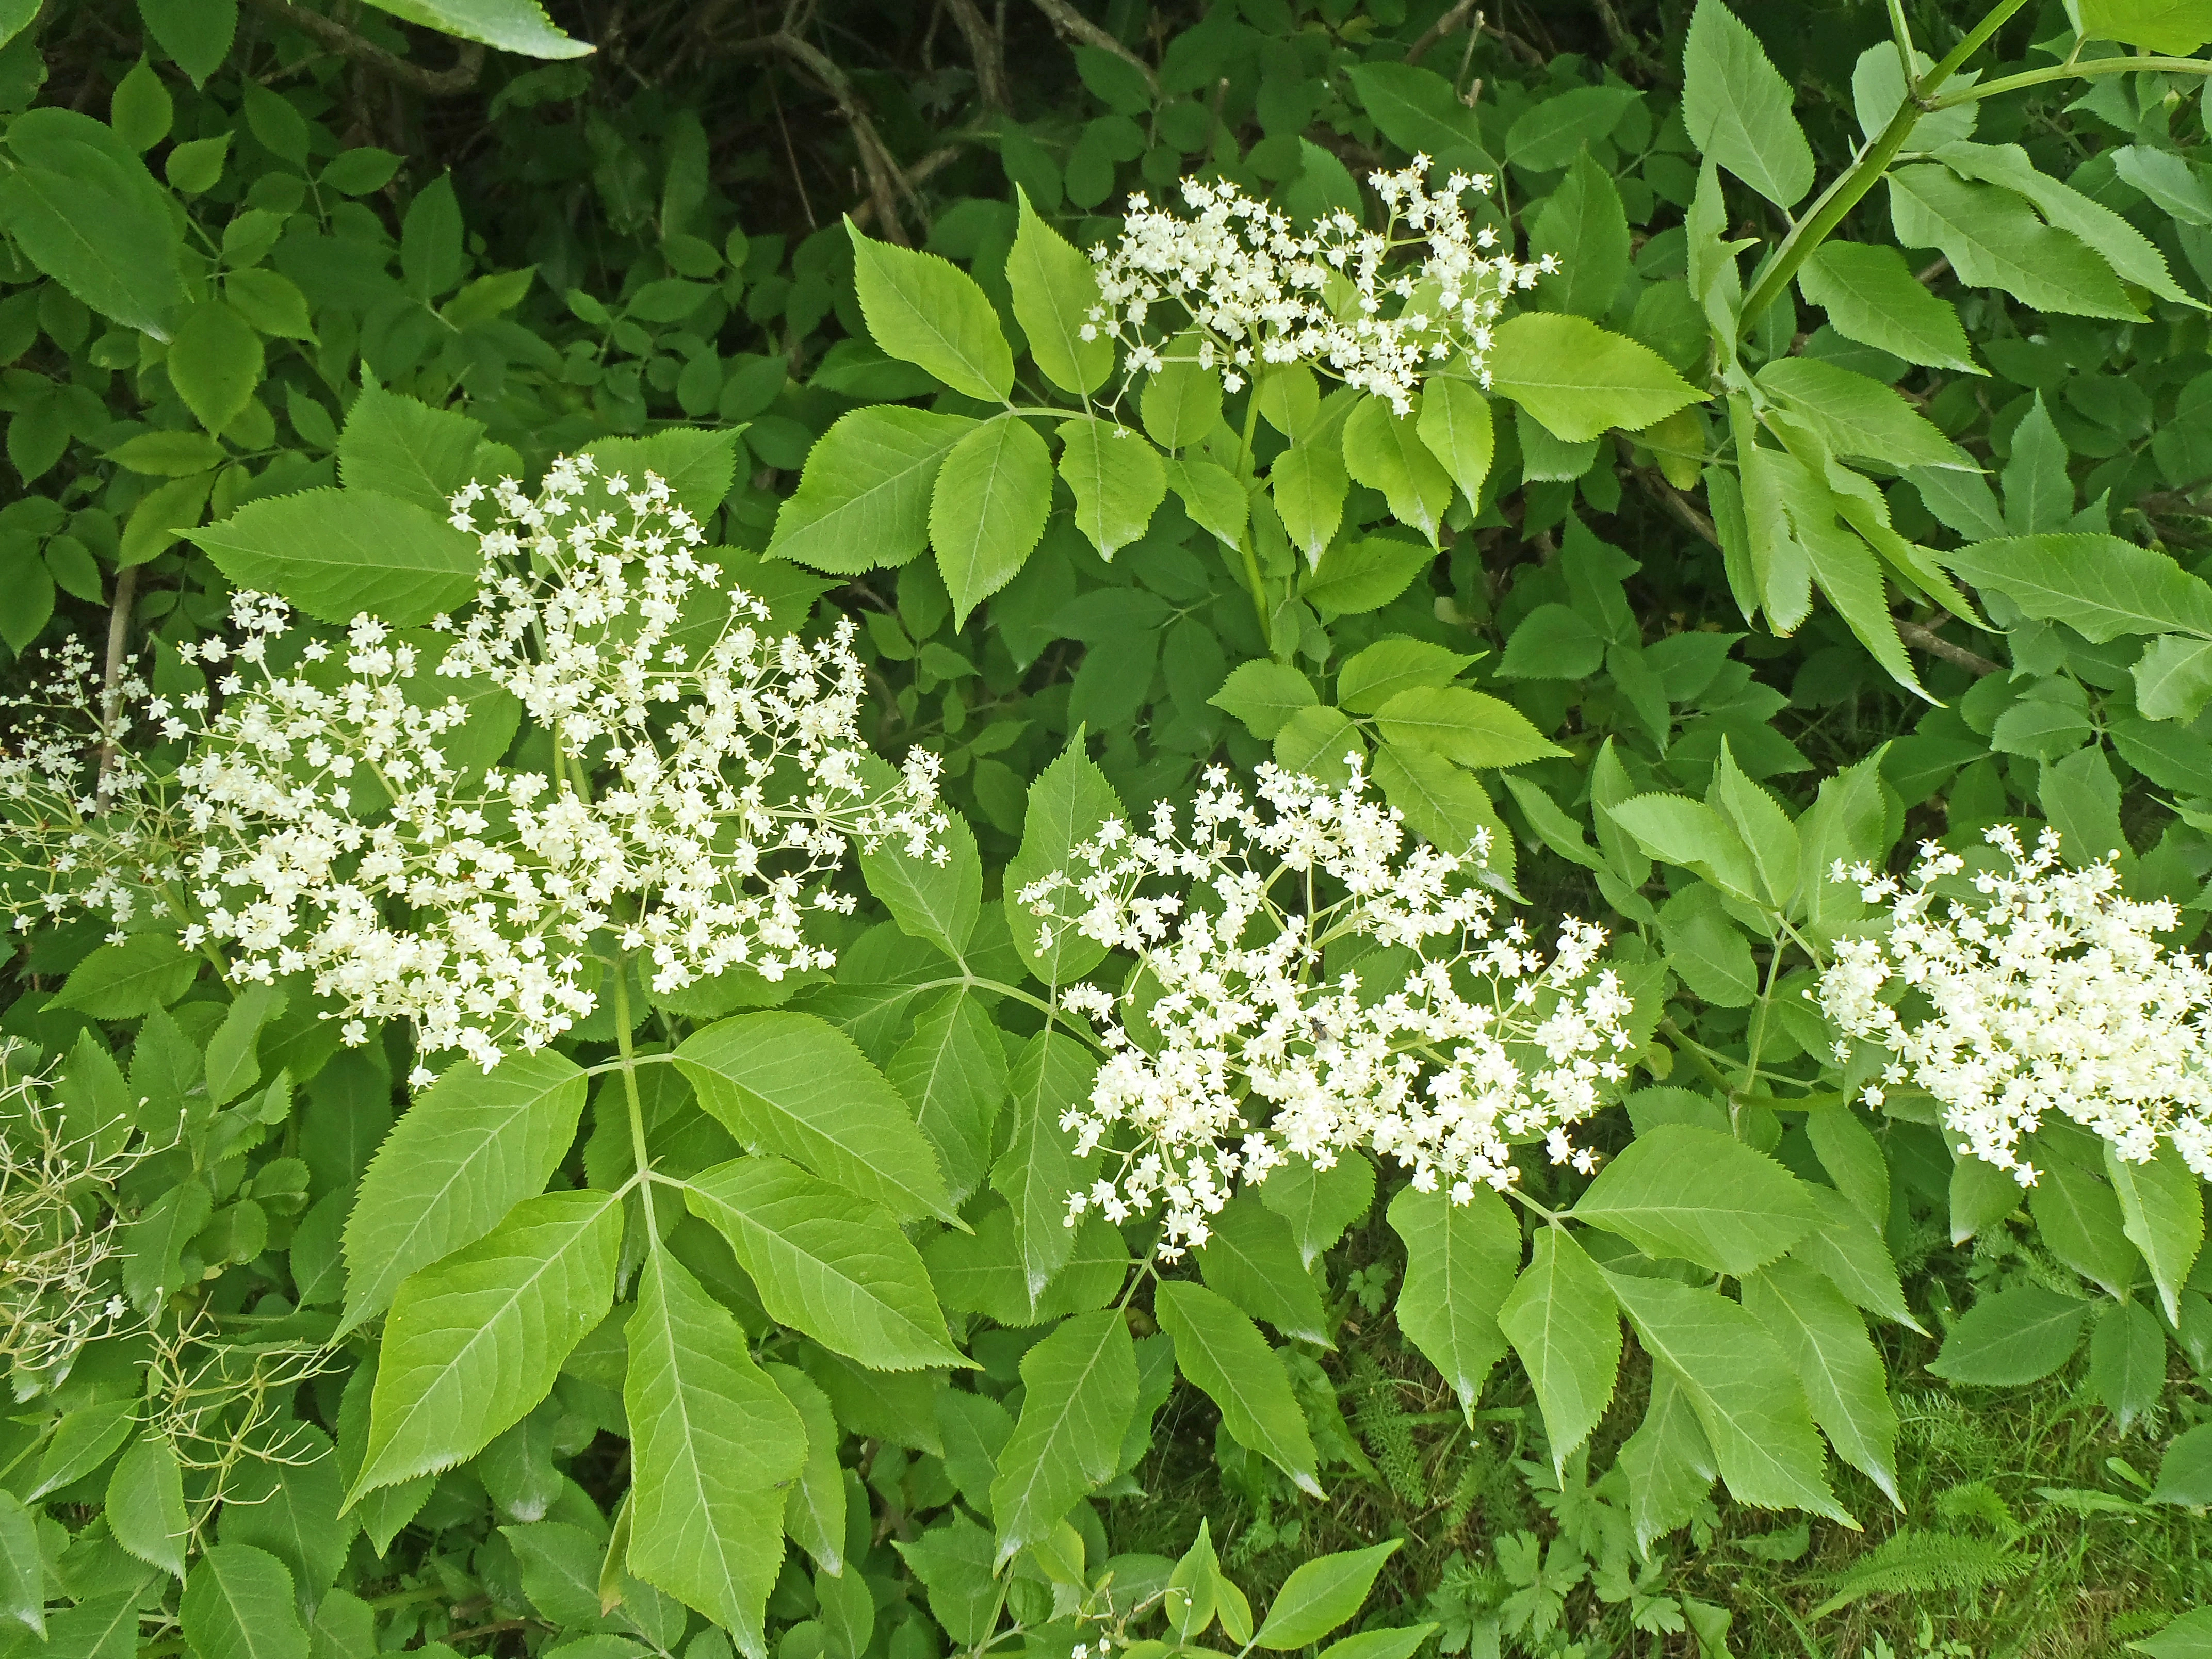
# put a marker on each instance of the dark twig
(1623, 40)
(986, 48)
(934, 162)
(334, 36)
(1072, 24)
(1450, 23)
(1922, 638)
(1532, 56)
(883, 178)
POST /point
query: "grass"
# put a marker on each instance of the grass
(2022, 1535)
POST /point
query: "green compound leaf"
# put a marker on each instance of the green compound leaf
(1565, 1325)
(130, 978)
(1384, 451)
(989, 509)
(402, 448)
(1460, 1261)
(146, 1505)
(1265, 695)
(1116, 477)
(1068, 803)
(1080, 1391)
(215, 362)
(814, 1505)
(238, 1605)
(953, 1072)
(939, 900)
(1736, 107)
(516, 26)
(1993, 238)
(922, 309)
(336, 554)
(23, 1572)
(82, 208)
(796, 1086)
(838, 1270)
(1455, 426)
(1463, 726)
(1222, 1351)
(1053, 288)
(1442, 804)
(863, 500)
(2098, 585)
(1742, 1388)
(1251, 1256)
(1843, 1381)
(714, 1441)
(2018, 1335)
(1308, 484)
(1679, 1190)
(1871, 296)
(1321, 1594)
(470, 1149)
(1581, 380)
(2162, 1211)
(1038, 1168)
(473, 1343)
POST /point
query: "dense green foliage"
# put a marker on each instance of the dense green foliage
(1832, 486)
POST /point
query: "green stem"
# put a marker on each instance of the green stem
(1903, 32)
(1258, 585)
(1253, 579)
(603, 1068)
(2067, 71)
(991, 1625)
(629, 1085)
(1844, 194)
(1700, 1057)
(969, 982)
(1839, 199)
(1758, 1038)
(1969, 43)
(1553, 1217)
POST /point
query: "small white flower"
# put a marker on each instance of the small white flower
(1432, 1041)
(1253, 288)
(704, 779)
(2048, 994)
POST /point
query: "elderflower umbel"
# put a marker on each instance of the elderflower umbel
(1256, 290)
(1239, 1046)
(346, 819)
(2050, 995)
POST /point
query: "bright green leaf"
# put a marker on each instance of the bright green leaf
(470, 1149)
(792, 1085)
(839, 1270)
(864, 498)
(1461, 1262)
(1579, 380)
(1565, 1324)
(1223, 1352)
(989, 509)
(474, 1342)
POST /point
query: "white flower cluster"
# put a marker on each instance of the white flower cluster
(2050, 995)
(1256, 290)
(704, 777)
(1235, 1049)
